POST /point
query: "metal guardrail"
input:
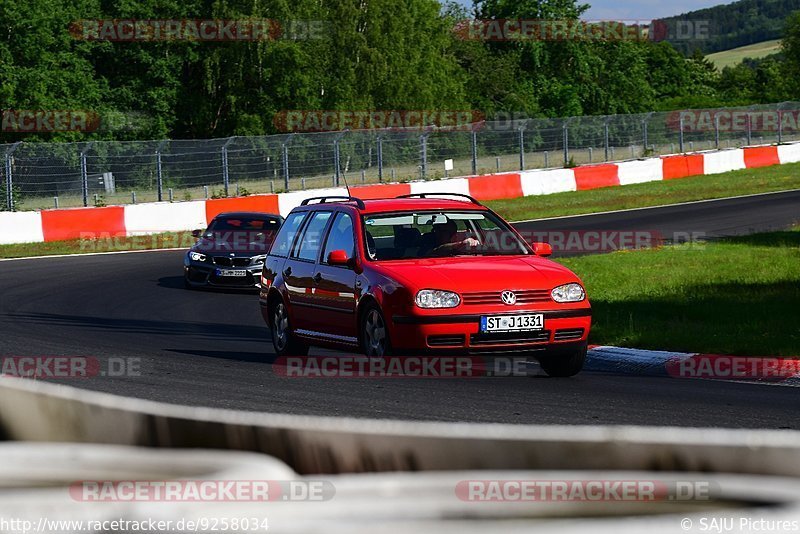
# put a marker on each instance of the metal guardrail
(47, 175)
(414, 468)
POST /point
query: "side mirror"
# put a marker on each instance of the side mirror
(197, 233)
(338, 257)
(542, 249)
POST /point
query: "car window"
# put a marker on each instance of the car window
(438, 234)
(241, 224)
(310, 243)
(340, 236)
(283, 241)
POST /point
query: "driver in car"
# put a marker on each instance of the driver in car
(441, 241)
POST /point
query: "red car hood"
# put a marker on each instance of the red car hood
(471, 273)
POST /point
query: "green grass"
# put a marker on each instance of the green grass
(738, 296)
(731, 58)
(775, 178)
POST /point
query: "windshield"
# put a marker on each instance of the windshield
(243, 224)
(438, 234)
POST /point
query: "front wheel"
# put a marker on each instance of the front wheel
(564, 364)
(374, 334)
(283, 340)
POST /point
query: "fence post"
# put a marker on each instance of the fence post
(716, 131)
(474, 152)
(9, 178)
(680, 134)
(285, 160)
(749, 130)
(423, 146)
(565, 127)
(522, 147)
(225, 176)
(159, 176)
(780, 125)
(380, 159)
(605, 136)
(336, 158)
(85, 175)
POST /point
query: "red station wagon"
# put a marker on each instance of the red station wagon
(425, 273)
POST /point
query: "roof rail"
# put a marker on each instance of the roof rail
(323, 200)
(426, 195)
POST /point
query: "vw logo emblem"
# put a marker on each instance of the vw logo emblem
(508, 297)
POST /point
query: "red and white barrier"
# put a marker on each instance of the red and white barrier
(140, 219)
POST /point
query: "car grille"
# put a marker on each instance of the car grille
(227, 261)
(539, 336)
(483, 298)
(568, 333)
(446, 340)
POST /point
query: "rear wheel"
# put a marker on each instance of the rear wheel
(563, 364)
(374, 334)
(284, 342)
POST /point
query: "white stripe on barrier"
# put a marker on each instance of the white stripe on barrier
(455, 185)
(21, 227)
(288, 201)
(637, 172)
(141, 219)
(789, 153)
(723, 161)
(547, 182)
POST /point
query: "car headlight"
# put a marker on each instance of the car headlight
(196, 256)
(568, 293)
(435, 298)
(256, 260)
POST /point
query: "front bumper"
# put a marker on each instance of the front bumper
(202, 274)
(461, 332)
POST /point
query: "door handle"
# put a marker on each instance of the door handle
(318, 277)
(287, 271)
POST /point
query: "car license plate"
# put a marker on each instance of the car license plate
(512, 323)
(230, 272)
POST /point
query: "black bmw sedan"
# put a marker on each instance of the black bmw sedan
(231, 252)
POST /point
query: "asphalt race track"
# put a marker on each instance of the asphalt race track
(212, 348)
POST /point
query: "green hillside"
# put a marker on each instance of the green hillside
(731, 58)
(730, 26)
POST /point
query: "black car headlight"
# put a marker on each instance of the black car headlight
(196, 256)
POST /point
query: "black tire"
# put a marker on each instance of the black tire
(283, 340)
(564, 363)
(374, 343)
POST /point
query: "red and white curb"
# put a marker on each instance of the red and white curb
(158, 217)
(746, 369)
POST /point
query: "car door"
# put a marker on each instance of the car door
(298, 272)
(334, 285)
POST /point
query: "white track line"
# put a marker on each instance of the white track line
(79, 254)
(687, 203)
